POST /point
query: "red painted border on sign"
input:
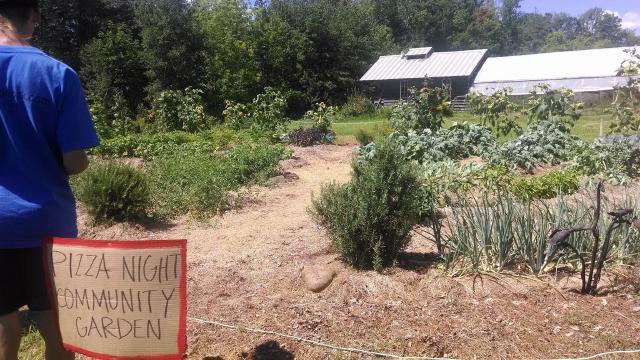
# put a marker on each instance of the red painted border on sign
(133, 244)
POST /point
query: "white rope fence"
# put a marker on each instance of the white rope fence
(373, 353)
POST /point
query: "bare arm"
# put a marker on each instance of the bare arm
(75, 162)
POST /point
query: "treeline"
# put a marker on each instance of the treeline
(130, 51)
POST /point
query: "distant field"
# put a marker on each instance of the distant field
(587, 128)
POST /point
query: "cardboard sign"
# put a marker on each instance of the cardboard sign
(119, 299)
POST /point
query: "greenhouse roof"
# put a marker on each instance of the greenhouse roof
(434, 65)
(581, 71)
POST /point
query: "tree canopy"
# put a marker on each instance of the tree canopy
(309, 50)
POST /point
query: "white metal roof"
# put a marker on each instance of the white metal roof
(438, 65)
(585, 70)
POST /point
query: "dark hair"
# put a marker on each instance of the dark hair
(18, 10)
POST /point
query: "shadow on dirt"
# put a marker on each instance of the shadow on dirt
(269, 350)
(418, 262)
(155, 224)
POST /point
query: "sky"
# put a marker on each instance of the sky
(628, 10)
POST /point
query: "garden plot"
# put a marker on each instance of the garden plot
(245, 269)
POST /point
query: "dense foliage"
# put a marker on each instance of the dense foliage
(178, 110)
(552, 113)
(616, 158)
(424, 109)
(500, 232)
(626, 103)
(113, 191)
(199, 184)
(370, 217)
(266, 113)
(545, 142)
(150, 145)
(311, 51)
(546, 186)
(460, 141)
(496, 111)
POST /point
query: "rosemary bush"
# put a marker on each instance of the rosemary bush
(370, 217)
(113, 191)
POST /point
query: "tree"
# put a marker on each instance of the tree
(171, 48)
(566, 24)
(280, 53)
(485, 31)
(601, 25)
(533, 30)
(344, 39)
(58, 32)
(113, 66)
(510, 17)
(232, 72)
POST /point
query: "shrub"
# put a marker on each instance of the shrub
(458, 142)
(310, 136)
(113, 191)
(425, 109)
(544, 142)
(150, 145)
(546, 104)
(265, 114)
(496, 111)
(320, 116)
(363, 137)
(615, 157)
(357, 104)
(195, 183)
(370, 217)
(626, 104)
(546, 186)
(182, 110)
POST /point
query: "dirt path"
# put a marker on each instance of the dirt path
(245, 269)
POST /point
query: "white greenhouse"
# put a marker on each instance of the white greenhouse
(592, 74)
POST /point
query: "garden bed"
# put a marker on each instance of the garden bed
(245, 269)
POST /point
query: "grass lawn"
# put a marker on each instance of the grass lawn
(587, 127)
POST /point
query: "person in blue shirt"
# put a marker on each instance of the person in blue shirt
(45, 127)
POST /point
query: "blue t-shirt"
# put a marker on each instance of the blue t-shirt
(43, 114)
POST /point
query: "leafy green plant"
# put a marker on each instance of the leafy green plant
(183, 110)
(425, 109)
(626, 103)
(364, 138)
(114, 118)
(266, 113)
(369, 218)
(545, 186)
(186, 182)
(457, 142)
(544, 142)
(496, 111)
(320, 116)
(113, 191)
(615, 157)
(150, 145)
(558, 105)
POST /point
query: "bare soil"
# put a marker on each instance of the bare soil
(244, 268)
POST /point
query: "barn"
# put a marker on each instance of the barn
(591, 74)
(393, 75)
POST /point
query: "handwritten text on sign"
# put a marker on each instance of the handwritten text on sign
(119, 299)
